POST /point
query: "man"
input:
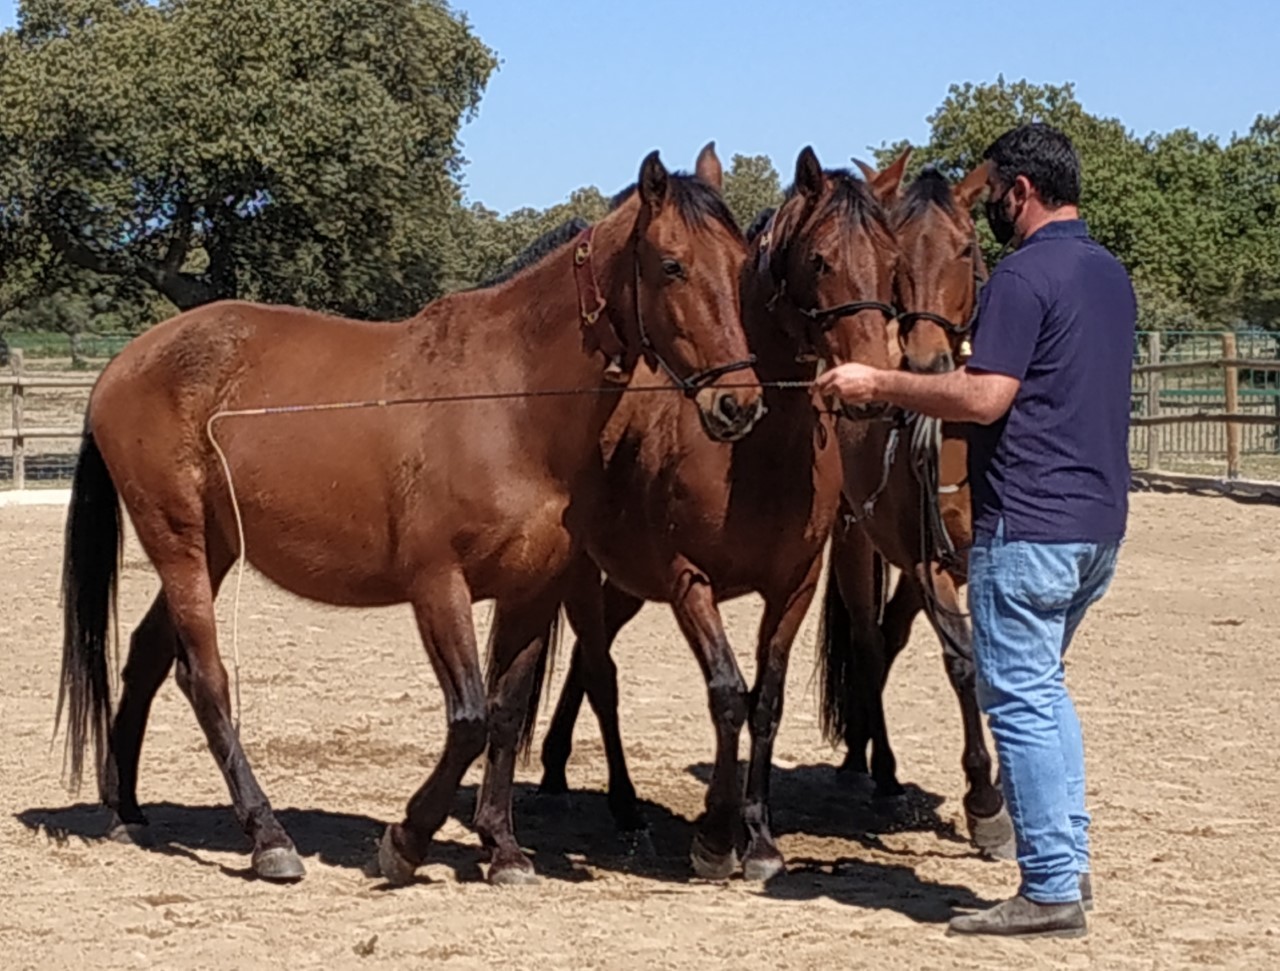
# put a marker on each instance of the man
(1047, 392)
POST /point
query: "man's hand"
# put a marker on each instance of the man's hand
(854, 384)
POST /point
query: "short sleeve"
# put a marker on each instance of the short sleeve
(1010, 315)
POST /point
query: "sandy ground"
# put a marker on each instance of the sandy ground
(1174, 674)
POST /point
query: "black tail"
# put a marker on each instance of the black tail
(90, 567)
(835, 661)
(546, 664)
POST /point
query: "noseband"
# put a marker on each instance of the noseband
(604, 336)
(907, 319)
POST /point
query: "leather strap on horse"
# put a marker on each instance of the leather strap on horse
(598, 331)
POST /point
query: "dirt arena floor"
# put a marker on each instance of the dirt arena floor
(1175, 674)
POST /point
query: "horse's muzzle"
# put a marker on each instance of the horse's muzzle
(728, 414)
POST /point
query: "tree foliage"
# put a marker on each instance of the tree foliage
(282, 150)
(751, 185)
(1196, 222)
(164, 153)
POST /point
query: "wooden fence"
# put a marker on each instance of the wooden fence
(1149, 379)
(1218, 408)
(19, 381)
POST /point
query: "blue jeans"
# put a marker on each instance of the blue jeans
(1026, 601)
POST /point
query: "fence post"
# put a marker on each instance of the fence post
(19, 443)
(1153, 401)
(1233, 407)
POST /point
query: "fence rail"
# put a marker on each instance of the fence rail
(1197, 399)
(1210, 396)
(19, 382)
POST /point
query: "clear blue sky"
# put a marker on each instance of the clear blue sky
(587, 87)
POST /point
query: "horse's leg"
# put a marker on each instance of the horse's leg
(597, 614)
(782, 618)
(713, 852)
(190, 584)
(592, 672)
(858, 571)
(152, 650)
(990, 828)
(520, 639)
(442, 608)
(895, 631)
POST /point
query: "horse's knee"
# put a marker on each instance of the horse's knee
(729, 703)
(468, 736)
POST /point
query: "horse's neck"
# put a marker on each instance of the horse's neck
(775, 351)
(534, 319)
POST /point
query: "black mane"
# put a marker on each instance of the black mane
(696, 201)
(850, 200)
(544, 245)
(929, 188)
(759, 224)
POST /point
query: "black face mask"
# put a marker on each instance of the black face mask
(998, 218)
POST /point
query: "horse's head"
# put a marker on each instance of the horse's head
(941, 266)
(829, 256)
(688, 256)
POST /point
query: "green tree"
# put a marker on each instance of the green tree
(1250, 189)
(1195, 223)
(79, 303)
(492, 241)
(751, 185)
(281, 150)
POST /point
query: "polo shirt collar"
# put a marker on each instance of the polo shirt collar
(1060, 229)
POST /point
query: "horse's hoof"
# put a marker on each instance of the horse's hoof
(280, 863)
(889, 793)
(513, 873)
(396, 870)
(763, 866)
(993, 835)
(133, 834)
(712, 866)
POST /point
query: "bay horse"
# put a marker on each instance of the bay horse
(432, 503)
(912, 513)
(696, 522)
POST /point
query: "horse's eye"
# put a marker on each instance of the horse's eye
(672, 268)
(820, 265)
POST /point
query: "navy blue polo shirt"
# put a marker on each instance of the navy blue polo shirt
(1059, 315)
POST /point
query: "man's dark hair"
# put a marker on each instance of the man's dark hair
(1045, 156)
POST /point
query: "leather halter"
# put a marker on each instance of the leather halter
(601, 335)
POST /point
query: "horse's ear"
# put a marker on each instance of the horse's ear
(886, 184)
(809, 177)
(708, 168)
(654, 182)
(867, 171)
(967, 192)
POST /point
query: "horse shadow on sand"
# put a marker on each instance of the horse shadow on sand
(818, 802)
(569, 836)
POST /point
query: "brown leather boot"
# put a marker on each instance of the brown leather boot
(1020, 917)
(1086, 892)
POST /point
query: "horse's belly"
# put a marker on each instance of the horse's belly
(343, 558)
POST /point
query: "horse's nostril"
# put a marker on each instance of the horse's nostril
(728, 406)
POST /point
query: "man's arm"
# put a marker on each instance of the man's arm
(963, 395)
